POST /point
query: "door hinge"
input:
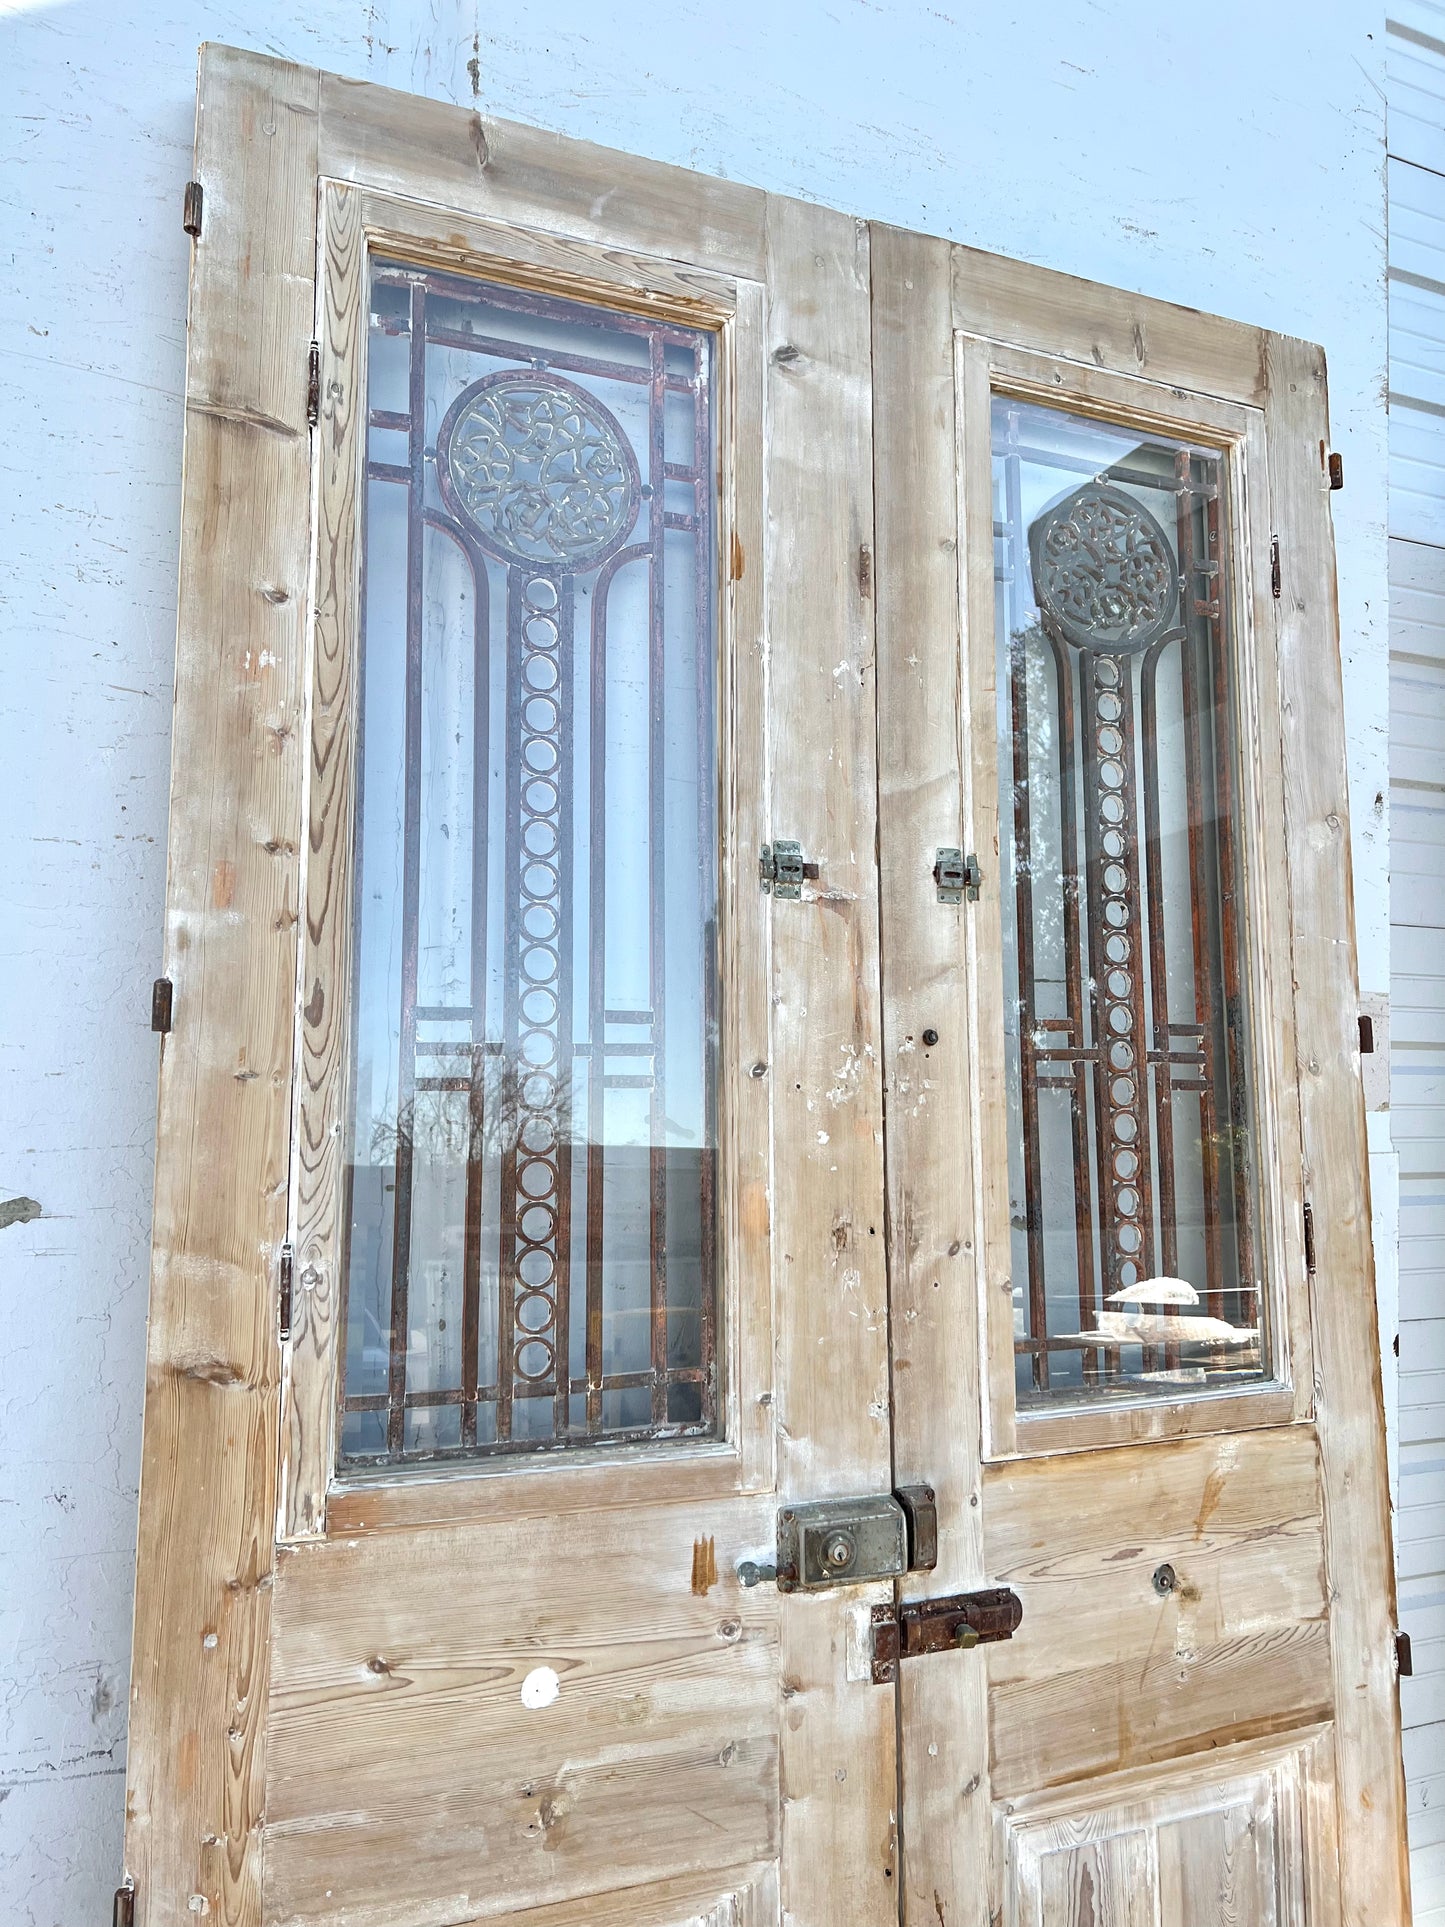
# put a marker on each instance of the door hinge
(1274, 568)
(123, 1913)
(162, 1003)
(781, 868)
(957, 874)
(1404, 1658)
(192, 209)
(1309, 1238)
(955, 1624)
(1337, 471)
(285, 1272)
(313, 384)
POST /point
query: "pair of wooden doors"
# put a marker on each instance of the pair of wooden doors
(759, 917)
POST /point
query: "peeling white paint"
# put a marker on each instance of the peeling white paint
(540, 1688)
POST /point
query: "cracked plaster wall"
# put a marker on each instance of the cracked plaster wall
(1231, 160)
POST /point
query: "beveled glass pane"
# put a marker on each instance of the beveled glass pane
(531, 1131)
(1132, 1175)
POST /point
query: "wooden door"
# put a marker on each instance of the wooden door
(1134, 1335)
(519, 1209)
(543, 779)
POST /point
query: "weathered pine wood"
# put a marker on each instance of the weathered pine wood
(1080, 1537)
(1215, 1843)
(202, 1622)
(431, 151)
(988, 1143)
(1374, 1867)
(838, 1773)
(410, 1784)
(1112, 328)
(309, 1403)
(750, 1900)
(933, 1283)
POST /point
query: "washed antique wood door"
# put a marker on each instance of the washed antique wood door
(1133, 1320)
(519, 1214)
(611, 598)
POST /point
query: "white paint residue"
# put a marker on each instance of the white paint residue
(540, 1688)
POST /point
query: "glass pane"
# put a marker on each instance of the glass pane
(530, 1225)
(1132, 1180)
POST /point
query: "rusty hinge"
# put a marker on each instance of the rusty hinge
(1404, 1658)
(162, 1001)
(950, 1625)
(313, 384)
(1309, 1238)
(123, 1913)
(1274, 568)
(1337, 471)
(192, 209)
(285, 1272)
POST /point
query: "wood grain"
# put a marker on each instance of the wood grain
(201, 1653)
(324, 1005)
(1220, 1841)
(933, 1282)
(1110, 328)
(432, 151)
(1374, 1868)
(410, 1784)
(838, 1770)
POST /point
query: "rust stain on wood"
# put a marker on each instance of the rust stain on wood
(738, 561)
(704, 1566)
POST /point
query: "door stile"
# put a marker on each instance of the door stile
(932, 1241)
(200, 1668)
(838, 1760)
(1375, 1879)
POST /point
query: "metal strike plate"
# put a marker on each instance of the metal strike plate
(920, 1516)
(956, 874)
(955, 1624)
(840, 1542)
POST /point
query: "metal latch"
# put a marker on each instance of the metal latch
(846, 1542)
(955, 873)
(954, 1624)
(781, 868)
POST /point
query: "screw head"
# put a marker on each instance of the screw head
(930, 1037)
(1165, 1580)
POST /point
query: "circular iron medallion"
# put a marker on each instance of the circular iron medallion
(539, 471)
(1103, 571)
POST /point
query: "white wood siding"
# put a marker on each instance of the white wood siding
(1415, 71)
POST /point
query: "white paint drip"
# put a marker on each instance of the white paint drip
(540, 1688)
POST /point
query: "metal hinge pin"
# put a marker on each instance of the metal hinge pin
(162, 1004)
(313, 384)
(192, 209)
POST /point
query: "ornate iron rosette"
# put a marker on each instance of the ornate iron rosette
(539, 471)
(1103, 571)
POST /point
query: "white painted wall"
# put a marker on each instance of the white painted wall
(1231, 158)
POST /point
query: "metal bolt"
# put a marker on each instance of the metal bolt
(930, 1038)
(1165, 1580)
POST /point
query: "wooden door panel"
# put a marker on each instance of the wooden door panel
(400, 1735)
(1112, 1786)
(1118, 1662)
(1226, 1840)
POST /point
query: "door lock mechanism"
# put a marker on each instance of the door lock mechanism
(839, 1542)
